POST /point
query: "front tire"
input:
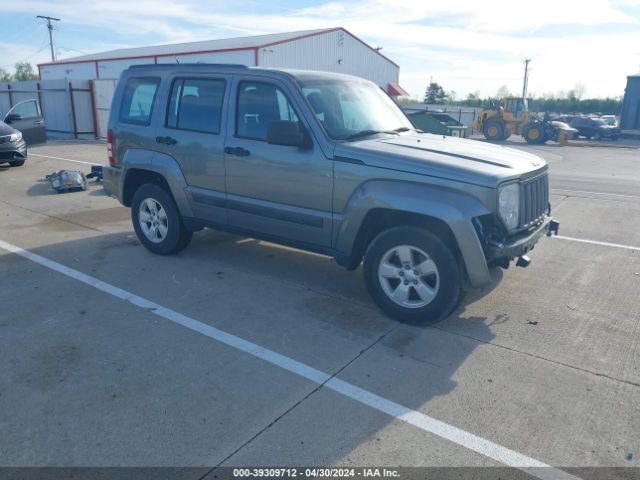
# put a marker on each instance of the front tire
(412, 275)
(17, 163)
(534, 134)
(157, 222)
(493, 130)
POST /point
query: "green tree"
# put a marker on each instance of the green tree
(451, 97)
(5, 76)
(434, 94)
(24, 71)
(473, 99)
(503, 92)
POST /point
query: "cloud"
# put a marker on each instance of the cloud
(470, 45)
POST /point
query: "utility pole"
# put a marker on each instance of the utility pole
(526, 78)
(50, 27)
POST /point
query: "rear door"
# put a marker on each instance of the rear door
(27, 117)
(192, 132)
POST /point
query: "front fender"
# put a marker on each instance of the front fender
(454, 208)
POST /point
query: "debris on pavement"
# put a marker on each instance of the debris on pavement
(67, 181)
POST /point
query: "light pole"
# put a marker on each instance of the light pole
(526, 78)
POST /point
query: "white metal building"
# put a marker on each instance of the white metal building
(333, 50)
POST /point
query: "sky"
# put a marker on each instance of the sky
(466, 46)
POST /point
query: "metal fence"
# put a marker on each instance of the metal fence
(71, 108)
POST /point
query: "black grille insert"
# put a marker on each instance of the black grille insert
(534, 200)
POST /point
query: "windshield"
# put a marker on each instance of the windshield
(350, 109)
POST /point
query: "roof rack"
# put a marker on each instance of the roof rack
(219, 65)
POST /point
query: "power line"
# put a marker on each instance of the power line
(62, 47)
(50, 27)
(13, 33)
(45, 45)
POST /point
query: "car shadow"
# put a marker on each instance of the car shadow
(304, 297)
(42, 187)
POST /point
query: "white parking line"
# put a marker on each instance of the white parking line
(596, 242)
(555, 190)
(424, 422)
(61, 158)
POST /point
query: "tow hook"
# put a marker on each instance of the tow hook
(553, 228)
(523, 261)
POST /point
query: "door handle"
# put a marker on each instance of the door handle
(237, 151)
(39, 122)
(166, 140)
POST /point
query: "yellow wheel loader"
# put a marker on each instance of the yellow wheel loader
(499, 122)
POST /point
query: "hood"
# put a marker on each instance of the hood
(6, 129)
(464, 160)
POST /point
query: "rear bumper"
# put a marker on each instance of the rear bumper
(521, 244)
(113, 178)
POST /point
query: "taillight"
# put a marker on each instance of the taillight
(111, 146)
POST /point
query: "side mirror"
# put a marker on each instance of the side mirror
(12, 117)
(283, 132)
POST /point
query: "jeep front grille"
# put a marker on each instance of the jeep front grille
(534, 200)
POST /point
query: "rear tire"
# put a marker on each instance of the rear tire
(412, 275)
(157, 222)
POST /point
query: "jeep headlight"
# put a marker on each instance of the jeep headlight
(509, 205)
(15, 137)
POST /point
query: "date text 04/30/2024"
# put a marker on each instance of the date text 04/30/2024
(314, 473)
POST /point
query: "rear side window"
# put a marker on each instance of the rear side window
(137, 101)
(196, 104)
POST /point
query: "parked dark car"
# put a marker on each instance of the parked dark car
(13, 148)
(571, 132)
(594, 128)
(26, 117)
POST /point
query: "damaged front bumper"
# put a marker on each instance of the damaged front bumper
(11, 151)
(501, 253)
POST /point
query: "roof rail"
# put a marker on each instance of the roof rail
(220, 65)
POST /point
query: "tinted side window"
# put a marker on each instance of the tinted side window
(259, 104)
(196, 104)
(27, 109)
(137, 101)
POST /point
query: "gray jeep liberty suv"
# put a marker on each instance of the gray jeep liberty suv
(323, 162)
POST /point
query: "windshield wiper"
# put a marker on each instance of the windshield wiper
(407, 129)
(364, 133)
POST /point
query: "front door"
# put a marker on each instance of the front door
(282, 191)
(26, 117)
(193, 133)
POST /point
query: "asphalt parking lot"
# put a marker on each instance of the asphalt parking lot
(237, 352)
